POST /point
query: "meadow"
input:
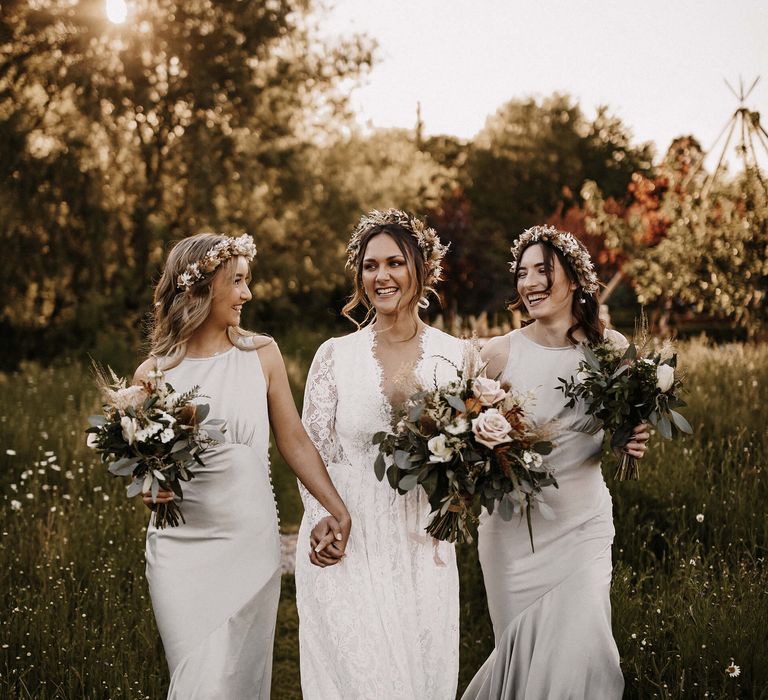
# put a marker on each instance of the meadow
(690, 578)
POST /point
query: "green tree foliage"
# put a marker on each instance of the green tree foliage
(335, 183)
(120, 138)
(530, 161)
(705, 254)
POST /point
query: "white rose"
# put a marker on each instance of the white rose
(441, 452)
(166, 435)
(665, 377)
(129, 429)
(488, 391)
(532, 458)
(90, 441)
(491, 428)
(459, 426)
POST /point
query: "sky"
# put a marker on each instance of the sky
(659, 65)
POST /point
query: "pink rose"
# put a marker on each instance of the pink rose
(491, 428)
(488, 391)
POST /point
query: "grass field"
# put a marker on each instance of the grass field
(690, 577)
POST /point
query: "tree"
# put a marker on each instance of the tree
(192, 115)
(526, 165)
(705, 254)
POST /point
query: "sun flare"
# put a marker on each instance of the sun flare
(117, 11)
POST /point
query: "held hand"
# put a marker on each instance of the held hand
(638, 443)
(163, 496)
(329, 540)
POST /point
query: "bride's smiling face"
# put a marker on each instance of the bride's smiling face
(386, 277)
(543, 299)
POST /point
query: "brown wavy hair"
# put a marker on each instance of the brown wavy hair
(178, 313)
(584, 307)
(414, 260)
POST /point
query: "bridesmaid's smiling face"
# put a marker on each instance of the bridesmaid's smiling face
(230, 292)
(542, 299)
(387, 281)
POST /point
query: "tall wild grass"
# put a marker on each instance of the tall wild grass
(690, 576)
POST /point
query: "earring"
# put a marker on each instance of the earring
(582, 300)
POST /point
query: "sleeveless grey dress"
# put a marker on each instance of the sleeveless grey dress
(551, 609)
(215, 580)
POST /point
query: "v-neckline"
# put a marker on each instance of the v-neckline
(386, 402)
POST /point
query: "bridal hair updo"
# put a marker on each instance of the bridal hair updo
(184, 293)
(576, 262)
(419, 245)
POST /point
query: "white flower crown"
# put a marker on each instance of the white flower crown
(427, 239)
(568, 245)
(194, 272)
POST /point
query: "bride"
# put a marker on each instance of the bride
(384, 621)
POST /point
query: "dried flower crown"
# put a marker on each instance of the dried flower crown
(228, 248)
(427, 239)
(568, 245)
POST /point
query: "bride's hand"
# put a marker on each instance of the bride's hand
(163, 496)
(328, 541)
(638, 443)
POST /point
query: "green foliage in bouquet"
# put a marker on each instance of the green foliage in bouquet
(624, 387)
(467, 444)
(154, 435)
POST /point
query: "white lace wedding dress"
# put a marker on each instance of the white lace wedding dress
(384, 623)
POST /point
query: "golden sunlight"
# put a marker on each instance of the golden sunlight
(117, 11)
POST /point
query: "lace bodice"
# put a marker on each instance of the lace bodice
(345, 402)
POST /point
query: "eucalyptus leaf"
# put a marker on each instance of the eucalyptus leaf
(134, 488)
(457, 403)
(665, 427)
(378, 437)
(124, 466)
(679, 420)
(379, 467)
(407, 482)
(402, 460)
(97, 421)
(506, 509)
(216, 435)
(201, 412)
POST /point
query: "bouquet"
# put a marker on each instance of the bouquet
(153, 434)
(465, 443)
(625, 387)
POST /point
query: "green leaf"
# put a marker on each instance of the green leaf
(402, 460)
(665, 427)
(457, 403)
(378, 437)
(123, 466)
(430, 483)
(682, 424)
(201, 412)
(543, 447)
(591, 358)
(179, 445)
(134, 488)
(215, 435)
(379, 467)
(408, 481)
(506, 509)
(97, 421)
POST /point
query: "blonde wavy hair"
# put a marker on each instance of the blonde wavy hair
(178, 313)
